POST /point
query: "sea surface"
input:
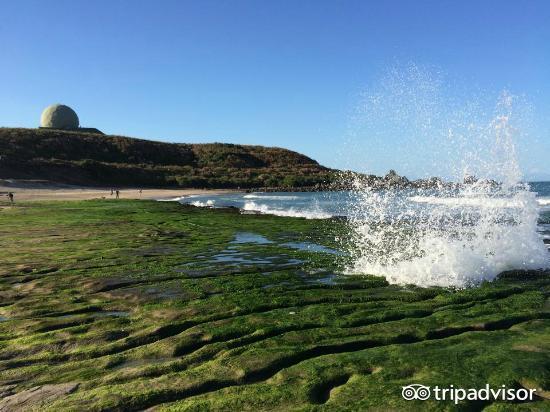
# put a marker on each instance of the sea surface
(428, 237)
(324, 205)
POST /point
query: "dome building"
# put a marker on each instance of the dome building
(61, 117)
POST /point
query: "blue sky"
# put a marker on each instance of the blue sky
(286, 73)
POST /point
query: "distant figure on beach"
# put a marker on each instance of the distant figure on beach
(111, 192)
(139, 192)
(117, 193)
(10, 195)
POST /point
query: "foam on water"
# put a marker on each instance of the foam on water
(269, 197)
(208, 203)
(454, 236)
(172, 199)
(460, 202)
(447, 244)
(313, 213)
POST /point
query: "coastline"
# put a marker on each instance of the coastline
(39, 190)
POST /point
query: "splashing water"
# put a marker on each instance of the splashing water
(456, 234)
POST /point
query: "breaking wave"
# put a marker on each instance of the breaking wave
(455, 201)
(199, 203)
(459, 202)
(270, 197)
(314, 213)
(457, 235)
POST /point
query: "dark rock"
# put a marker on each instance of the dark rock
(35, 397)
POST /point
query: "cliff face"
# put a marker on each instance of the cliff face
(96, 159)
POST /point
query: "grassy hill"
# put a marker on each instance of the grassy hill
(94, 159)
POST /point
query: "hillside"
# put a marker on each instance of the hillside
(94, 159)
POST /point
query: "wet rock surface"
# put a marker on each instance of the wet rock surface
(34, 397)
(244, 312)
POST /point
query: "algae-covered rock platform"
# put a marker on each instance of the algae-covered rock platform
(130, 305)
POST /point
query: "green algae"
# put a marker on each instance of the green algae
(129, 299)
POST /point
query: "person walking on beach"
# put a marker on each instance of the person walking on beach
(117, 193)
(10, 195)
(111, 192)
(140, 192)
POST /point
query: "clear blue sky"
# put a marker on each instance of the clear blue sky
(284, 73)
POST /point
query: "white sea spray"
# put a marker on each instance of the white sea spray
(453, 236)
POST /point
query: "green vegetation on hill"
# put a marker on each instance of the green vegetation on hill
(127, 305)
(95, 159)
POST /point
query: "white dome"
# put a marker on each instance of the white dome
(59, 116)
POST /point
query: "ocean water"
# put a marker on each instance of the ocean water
(324, 205)
(447, 237)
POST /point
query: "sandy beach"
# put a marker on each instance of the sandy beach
(39, 190)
